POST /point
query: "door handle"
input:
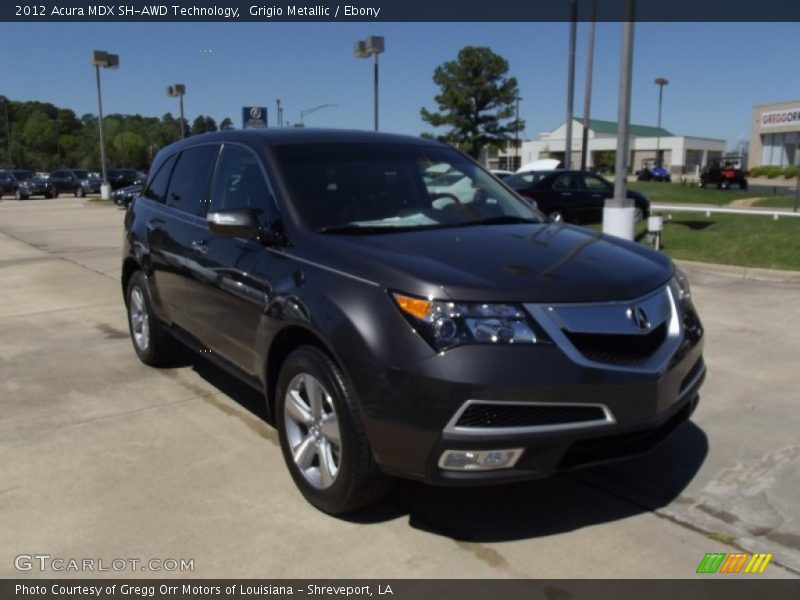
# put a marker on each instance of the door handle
(566, 193)
(597, 195)
(200, 246)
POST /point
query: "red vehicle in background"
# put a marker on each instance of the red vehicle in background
(724, 172)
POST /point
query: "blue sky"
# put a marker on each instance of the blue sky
(717, 72)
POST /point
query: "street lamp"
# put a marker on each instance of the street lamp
(178, 91)
(8, 131)
(308, 111)
(372, 46)
(517, 161)
(660, 82)
(103, 59)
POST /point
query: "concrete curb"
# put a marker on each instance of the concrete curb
(738, 272)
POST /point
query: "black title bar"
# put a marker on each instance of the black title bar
(398, 11)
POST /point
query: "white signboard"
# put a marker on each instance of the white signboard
(781, 118)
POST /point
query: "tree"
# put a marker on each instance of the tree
(226, 124)
(477, 101)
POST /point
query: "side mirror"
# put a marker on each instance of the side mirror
(233, 223)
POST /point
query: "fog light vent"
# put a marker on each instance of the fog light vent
(479, 460)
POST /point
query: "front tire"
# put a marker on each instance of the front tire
(80, 192)
(322, 435)
(152, 342)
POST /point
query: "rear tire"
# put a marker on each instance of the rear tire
(152, 342)
(18, 195)
(322, 435)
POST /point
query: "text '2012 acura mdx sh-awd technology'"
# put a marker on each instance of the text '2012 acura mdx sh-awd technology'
(455, 338)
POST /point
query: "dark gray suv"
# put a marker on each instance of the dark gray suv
(400, 331)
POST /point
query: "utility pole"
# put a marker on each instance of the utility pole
(587, 94)
(278, 112)
(573, 25)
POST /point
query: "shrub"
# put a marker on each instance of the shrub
(758, 171)
(790, 172)
(773, 172)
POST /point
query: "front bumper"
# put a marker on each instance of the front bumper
(410, 413)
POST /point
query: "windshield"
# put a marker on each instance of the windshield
(356, 188)
(23, 175)
(81, 174)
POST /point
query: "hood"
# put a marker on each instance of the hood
(493, 263)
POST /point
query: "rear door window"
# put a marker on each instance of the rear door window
(157, 189)
(188, 187)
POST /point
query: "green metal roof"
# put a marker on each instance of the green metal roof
(634, 130)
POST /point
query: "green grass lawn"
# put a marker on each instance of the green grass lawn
(749, 241)
(668, 193)
(776, 202)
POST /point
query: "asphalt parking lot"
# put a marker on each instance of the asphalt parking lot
(105, 458)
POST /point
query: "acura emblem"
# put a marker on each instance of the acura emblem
(639, 318)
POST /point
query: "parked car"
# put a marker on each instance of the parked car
(7, 183)
(501, 173)
(120, 178)
(75, 181)
(724, 173)
(572, 196)
(124, 196)
(23, 184)
(471, 343)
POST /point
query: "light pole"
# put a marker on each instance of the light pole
(517, 163)
(660, 82)
(587, 93)
(308, 111)
(8, 131)
(372, 46)
(103, 59)
(618, 212)
(178, 91)
(571, 82)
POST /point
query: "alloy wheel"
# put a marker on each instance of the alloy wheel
(140, 324)
(312, 430)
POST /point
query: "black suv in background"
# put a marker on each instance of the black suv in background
(574, 196)
(400, 331)
(79, 182)
(120, 178)
(23, 184)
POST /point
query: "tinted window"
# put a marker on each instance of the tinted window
(157, 190)
(23, 175)
(239, 182)
(522, 181)
(188, 188)
(593, 182)
(81, 174)
(565, 181)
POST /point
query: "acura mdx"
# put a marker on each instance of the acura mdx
(397, 330)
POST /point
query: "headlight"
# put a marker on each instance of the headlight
(446, 324)
(681, 285)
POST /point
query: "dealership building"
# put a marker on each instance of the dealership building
(775, 134)
(678, 153)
